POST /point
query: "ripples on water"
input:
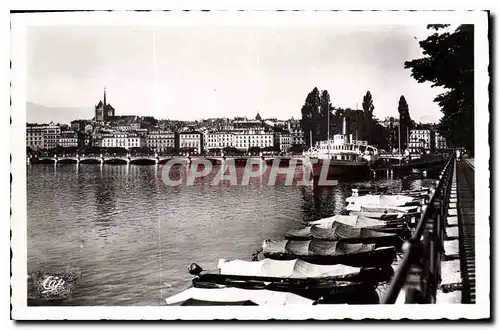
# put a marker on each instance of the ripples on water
(133, 237)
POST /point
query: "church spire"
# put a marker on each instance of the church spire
(104, 101)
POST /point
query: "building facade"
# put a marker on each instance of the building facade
(68, 139)
(160, 141)
(35, 137)
(283, 140)
(42, 136)
(218, 140)
(121, 140)
(51, 137)
(440, 141)
(296, 133)
(421, 140)
(244, 140)
(191, 140)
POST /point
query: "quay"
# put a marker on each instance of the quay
(384, 168)
(426, 253)
(439, 259)
(147, 159)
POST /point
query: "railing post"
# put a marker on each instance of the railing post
(415, 287)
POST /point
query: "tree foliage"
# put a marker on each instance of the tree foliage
(405, 122)
(325, 111)
(360, 123)
(310, 117)
(368, 108)
(448, 62)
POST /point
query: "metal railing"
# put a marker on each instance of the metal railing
(420, 269)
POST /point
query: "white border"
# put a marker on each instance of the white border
(18, 221)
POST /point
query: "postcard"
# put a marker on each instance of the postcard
(250, 165)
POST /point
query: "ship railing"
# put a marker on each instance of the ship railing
(420, 270)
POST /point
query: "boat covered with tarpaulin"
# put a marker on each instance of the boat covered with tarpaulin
(358, 221)
(337, 231)
(330, 283)
(231, 296)
(382, 209)
(329, 252)
(384, 200)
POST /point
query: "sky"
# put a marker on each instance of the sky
(193, 72)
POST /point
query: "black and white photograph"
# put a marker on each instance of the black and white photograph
(201, 165)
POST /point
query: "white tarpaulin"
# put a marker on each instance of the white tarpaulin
(314, 247)
(350, 220)
(260, 297)
(378, 208)
(381, 200)
(378, 215)
(283, 268)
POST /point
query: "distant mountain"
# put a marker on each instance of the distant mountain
(36, 113)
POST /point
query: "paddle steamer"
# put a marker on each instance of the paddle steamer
(341, 156)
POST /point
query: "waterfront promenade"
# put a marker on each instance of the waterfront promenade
(458, 284)
(466, 221)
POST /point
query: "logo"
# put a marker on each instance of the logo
(56, 286)
(250, 171)
(53, 284)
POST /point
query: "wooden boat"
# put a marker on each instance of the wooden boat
(297, 271)
(332, 291)
(362, 190)
(359, 221)
(341, 232)
(378, 215)
(231, 296)
(382, 209)
(330, 283)
(330, 252)
(196, 302)
(383, 200)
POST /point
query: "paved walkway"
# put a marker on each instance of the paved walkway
(466, 217)
(458, 271)
(470, 161)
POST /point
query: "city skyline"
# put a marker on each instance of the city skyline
(189, 73)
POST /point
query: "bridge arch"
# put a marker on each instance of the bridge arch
(43, 160)
(90, 161)
(143, 161)
(116, 161)
(67, 161)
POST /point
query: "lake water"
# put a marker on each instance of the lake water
(132, 237)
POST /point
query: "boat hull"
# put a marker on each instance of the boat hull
(339, 168)
(331, 290)
(381, 258)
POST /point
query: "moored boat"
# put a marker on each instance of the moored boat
(398, 216)
(384, 200)
(237, 296)
(341, 232)
(382, 209)
(330, 252)
(341, 156)
(330, 283)
(359, 221)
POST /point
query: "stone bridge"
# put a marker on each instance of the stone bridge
(151, 159)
